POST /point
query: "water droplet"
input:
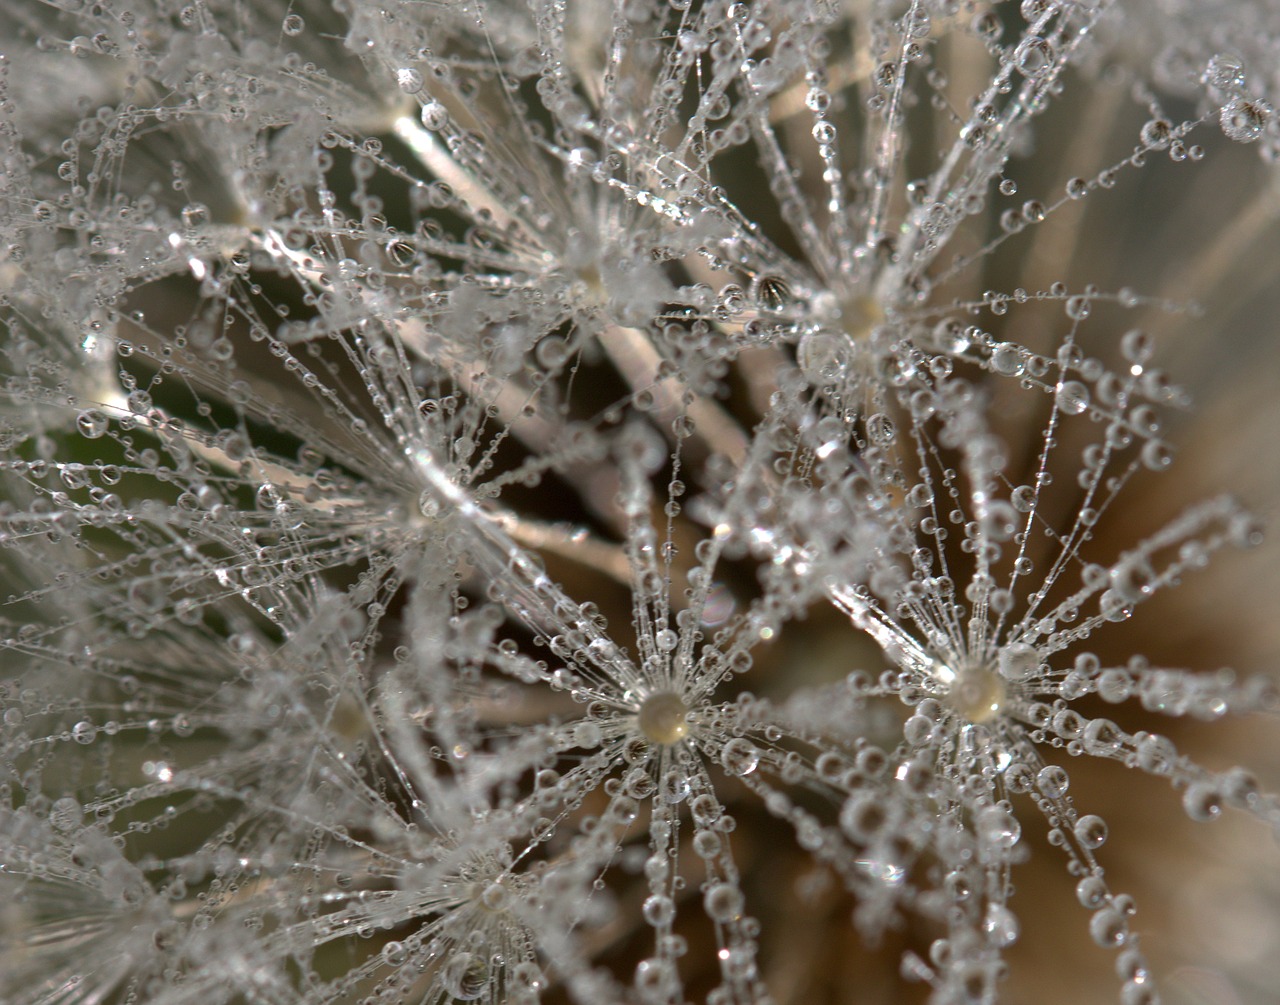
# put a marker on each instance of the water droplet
(1052, 781)
(1225, 72)
(1034, 57)
(91, 423)
(465, 976)
(66, 814)
(1077, 308)
(1108, 928)
(1156, 134)
(723, 902)
(771, 294)
(1007, 360)
(998, 827)
(1156, 455)
(1202, 801)
(434, 116)
(1091, 892)
(1001, 925)
(739, 756)
(1091, 831)
(1018, 661)
(409, 80)
(1244, 119)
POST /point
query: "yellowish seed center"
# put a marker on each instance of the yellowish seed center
(978, 694)
(859, 315)
(663, 718)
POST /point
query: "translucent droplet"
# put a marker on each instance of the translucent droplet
(1091, 831)
(1077, 308)
(771, 294)
(1034, 57)
(293, 24)
(1091, 892)
(1108, 928)
(66, 814)
(527, 976)
(1156, 455)
(465, 976)
(408, 80)
(998, 827)
(1225, 72)
(659, 910)
(1018, 661)
(496, 897)
(1006, 359)
(1244, 119)
(1202, 801)
(1052, 781)
(654, 977)
(1156, 133)
(723, 902)
(1001, 925)
(84, 732)
(1073, 397)
(91, 423)
(434, 116)
(739, 756)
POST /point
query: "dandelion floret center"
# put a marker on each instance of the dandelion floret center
(977, 693)
(663, 718)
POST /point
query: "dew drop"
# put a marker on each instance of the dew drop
(91, 423)
(434, 116)
(1034, 57)
(1202, 801)
(1091, 892)
(1077, 308)
(465, 976)
(1108, 928)
(1018, 661)
(1091, 831)
(659, 910)
(409, 80)
(1001, 925)
(1244, 119)
(998, 827)
(723, 902)
(1225, 72)
(1052, 781)
(740, 756)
